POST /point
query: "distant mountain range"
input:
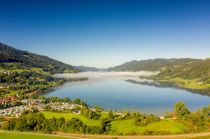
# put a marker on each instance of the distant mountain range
(10, 54)
(86, 68)
(152, 64)
(186, 68)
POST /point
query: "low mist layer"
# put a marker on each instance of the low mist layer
(105, 74)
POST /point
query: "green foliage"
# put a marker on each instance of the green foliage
(24, 135)
(37, 122)
(200, 120)
(143, 120)
(94, 115)
(25, 81)
(53, 99)
(206, 112)
(77, 101)
(90, 114)
(181, 110)
(197, 119)
(110, 115)
(69, 115)
(105, 126)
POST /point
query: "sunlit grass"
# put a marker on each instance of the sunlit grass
(69, 115)
(129, 127)
(25, 135)
(187, 83)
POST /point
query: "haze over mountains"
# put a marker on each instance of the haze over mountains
(182, 67)
(186, 68)
(152, 64)
(86, 68)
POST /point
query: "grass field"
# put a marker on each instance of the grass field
(20, 135)
(85, 120)
(33, 135)
(124, 127)
(191, 84)
(128, 127)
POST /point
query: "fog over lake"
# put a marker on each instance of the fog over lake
(106, 74)
(112, 90)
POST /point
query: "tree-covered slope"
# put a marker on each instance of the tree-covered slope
(193, 74)
(10, 54)
(153, 64)
(190, 70)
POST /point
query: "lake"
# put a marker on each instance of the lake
(115, 92)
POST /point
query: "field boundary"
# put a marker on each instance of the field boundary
(86, 136)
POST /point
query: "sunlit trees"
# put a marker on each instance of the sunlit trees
(110, 115)
(143, 120)
(181, 110)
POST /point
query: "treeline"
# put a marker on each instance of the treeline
(198, 121)
(10, 54)
(37, 122)
(65, 99)
(190, 70)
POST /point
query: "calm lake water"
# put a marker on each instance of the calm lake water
(119, 94)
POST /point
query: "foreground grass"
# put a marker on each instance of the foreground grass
(34, 135)
(24, 135)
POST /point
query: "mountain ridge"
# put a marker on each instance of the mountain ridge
(151, 64)
(11, 54)
(86, 68)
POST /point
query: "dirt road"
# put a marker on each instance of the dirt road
(181, 136)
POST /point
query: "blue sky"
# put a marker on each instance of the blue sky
(105, 33)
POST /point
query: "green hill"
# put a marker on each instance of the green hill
(11, 55)
(152, 64)
(170, 68)
(193, 74)
(25, 73)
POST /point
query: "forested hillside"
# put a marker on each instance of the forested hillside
(25, 73)
(185, 73)
(188, 70)
(153, 64)
(27, 59)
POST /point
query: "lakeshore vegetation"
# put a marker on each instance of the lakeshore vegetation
(88, 120)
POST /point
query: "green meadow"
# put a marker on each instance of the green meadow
(124, 127)
(24, 135)
(164, 126)
(28, 135)
(69, 115)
